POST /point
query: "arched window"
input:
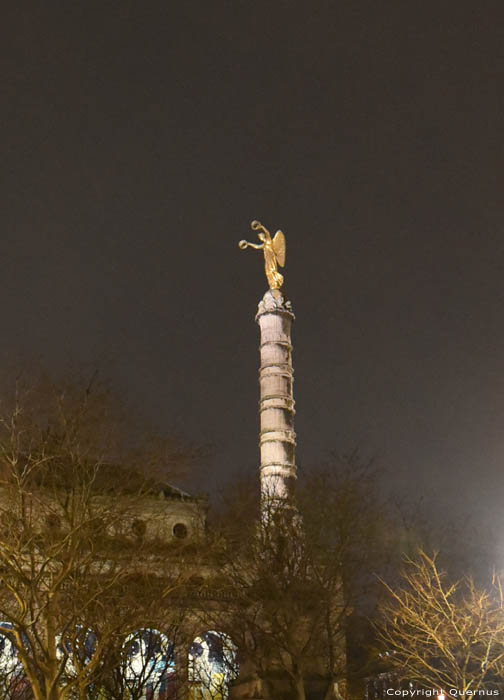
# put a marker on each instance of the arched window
(212, 666)
(11, 669)
(149, 664)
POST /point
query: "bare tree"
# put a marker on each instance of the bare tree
(69, 550)
(296, 574)
(441, 633)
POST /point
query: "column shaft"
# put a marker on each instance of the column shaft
(277, 439)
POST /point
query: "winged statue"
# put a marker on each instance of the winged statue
(274, 253)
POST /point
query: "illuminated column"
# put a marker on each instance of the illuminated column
(277, 439)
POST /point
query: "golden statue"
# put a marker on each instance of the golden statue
(274, 253)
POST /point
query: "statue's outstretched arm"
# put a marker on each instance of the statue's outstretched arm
(246, 244)
(257, 226)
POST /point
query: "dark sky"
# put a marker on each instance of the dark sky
(139, 139)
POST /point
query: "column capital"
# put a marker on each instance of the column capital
(274, 302)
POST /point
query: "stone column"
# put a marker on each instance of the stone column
(277, 439)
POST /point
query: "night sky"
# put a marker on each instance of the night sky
(139, 139)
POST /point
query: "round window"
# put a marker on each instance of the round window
(180, 531)
(139, 527)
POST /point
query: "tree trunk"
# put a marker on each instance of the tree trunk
(333, 691)
(51, 675)
(53, 693)
(299, 687)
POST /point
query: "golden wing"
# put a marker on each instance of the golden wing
(279, 247)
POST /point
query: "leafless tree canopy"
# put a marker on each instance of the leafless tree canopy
(441, 633)
(296, 575)
(74, 572)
